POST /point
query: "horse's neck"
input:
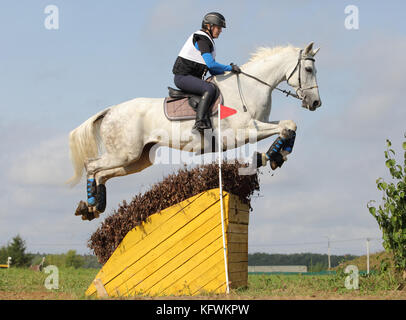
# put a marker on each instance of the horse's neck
(271, 70)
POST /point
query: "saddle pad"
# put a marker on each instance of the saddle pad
(179, 109)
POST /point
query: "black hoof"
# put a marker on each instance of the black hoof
(276, 161)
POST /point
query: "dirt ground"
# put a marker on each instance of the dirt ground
(35, 295)
(46, 295)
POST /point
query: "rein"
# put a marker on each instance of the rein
(288, 93)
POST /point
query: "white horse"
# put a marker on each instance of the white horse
(121, 139)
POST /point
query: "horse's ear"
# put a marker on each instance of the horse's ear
(315, 51)
(309, 48)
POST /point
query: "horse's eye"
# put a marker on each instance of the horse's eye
(309, 69)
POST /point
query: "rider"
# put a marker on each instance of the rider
(195, 58)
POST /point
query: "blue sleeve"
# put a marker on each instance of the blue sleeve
(214, 67)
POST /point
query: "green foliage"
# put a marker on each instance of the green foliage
(16, 250)
(69, 259)
(73, 260)
(315, 262)
(391, 214)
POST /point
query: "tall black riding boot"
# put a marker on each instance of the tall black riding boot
(202, 109)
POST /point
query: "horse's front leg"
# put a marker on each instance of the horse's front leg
(281, 147)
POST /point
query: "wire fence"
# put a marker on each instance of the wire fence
(354, 246)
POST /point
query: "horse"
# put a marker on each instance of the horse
(122, 139)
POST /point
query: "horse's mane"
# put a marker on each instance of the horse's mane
(264, 52)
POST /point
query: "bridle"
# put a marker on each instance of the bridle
(299, 91)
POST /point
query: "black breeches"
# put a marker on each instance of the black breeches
(195, 85)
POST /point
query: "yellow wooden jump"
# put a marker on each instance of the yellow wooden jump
(179, 251)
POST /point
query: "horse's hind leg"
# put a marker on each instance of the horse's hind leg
(145, 160)
(101, 176)
(93, 166)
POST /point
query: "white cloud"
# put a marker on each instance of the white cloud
(44, 164)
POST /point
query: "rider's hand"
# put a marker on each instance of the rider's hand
(235, 68)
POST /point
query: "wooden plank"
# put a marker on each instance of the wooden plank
(215, 280)
(215, 285)
(237, 237)
(188, 266)
(115, 265)
(238, 276)
(174, 247)
(237, 266)
(237, 216)
(237, 256)
(237, 247)
(239, 284)
(200, 273)
(172, 262)
(156, 231)
(179, 250)
(101, 291)
(235, 202)
(156, 224)
(237, 228)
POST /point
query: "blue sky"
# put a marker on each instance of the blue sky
(108, 52)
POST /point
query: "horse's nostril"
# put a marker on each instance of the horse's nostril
(316, 103)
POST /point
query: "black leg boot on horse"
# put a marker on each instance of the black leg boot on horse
(202, 118)
(273, 154)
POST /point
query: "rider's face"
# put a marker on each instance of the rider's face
(215, 31)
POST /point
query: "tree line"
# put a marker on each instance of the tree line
(16, 249)
(315, 262)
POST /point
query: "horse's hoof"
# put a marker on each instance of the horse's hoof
(90, 216)
(81, 209)
(276, 164)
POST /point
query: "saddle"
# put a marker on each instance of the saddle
(181, 105)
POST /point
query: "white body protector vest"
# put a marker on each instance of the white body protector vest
(190, 52)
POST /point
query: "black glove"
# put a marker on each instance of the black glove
(235, 68)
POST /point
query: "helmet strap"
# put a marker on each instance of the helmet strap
(210, 28)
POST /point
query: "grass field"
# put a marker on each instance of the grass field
(18, 283)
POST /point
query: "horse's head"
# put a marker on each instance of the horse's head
(303, 78)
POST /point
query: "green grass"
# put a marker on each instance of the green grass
(72, 282)
(28, 284)
(319, 285)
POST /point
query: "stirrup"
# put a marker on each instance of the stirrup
(200, 126)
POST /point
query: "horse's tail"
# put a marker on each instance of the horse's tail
(84, 143)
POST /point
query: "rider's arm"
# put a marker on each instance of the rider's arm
(214, 66)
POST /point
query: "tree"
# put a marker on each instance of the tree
(391, 214)
(16, 250)
(73, 260)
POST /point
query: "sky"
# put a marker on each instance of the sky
(105, 52)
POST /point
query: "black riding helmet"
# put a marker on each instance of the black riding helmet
(214, 18)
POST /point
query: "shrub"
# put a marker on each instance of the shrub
(391, 214)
